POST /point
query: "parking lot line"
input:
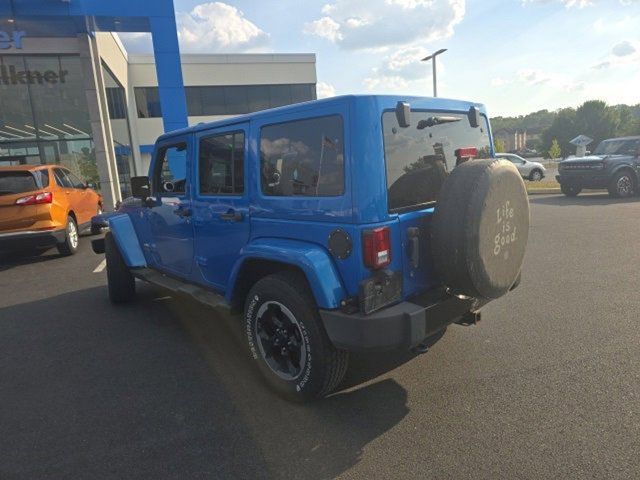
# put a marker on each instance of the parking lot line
(101, 266)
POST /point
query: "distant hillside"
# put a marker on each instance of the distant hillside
(594, 119)
(533, 121)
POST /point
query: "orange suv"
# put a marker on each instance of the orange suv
(43, 206)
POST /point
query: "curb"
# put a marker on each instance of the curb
(544, 191)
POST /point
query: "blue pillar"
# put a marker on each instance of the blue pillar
(173, 100)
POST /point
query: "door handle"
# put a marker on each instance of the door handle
(182, 212)
(232, 215)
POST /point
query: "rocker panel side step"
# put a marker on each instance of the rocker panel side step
(201, 294)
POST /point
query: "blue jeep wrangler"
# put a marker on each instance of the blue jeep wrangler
(348, 224)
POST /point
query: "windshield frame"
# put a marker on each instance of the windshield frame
(434, 111)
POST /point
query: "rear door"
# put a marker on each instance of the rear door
(170, 218)
(418, 160)
(82, 197)
(220, 205)
(15, 184)
(70, 197)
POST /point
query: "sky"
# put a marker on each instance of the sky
(515, 56)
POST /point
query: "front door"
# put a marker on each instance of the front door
(169, 219)
(220, 205)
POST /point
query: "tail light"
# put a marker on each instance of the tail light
(464, 154)
(44, 197)
(377, 247)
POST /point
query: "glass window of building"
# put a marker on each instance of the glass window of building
(148, 102)
(303, 157)
(45, 118)
(227, 100)
(120, 131)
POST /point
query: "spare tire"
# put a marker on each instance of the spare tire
(480, 228)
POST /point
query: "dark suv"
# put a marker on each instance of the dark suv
(614, 165)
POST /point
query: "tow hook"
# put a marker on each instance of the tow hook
(470, 318)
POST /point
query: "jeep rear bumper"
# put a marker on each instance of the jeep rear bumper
(401, 326)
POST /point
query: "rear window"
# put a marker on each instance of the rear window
(17, 182)
(419, 158)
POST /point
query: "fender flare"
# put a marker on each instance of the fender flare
(626, 166)
(127, 240)
(314, 261)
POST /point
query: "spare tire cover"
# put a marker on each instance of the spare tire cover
(480, 228)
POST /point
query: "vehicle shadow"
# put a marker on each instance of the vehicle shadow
(9, 260)
(321, 439)
(584, 200)
(163, 387)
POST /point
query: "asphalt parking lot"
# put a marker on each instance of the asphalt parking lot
(547, 386)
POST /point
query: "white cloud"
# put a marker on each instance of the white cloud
(623, 53)
(218, 27)
(370, 24)
(624, 49)
(539, 79)
(578, 3)
(567, 3)
(326, 27)
(399, 70)
(325, 90)
(498, 82)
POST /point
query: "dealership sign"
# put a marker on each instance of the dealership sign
(11, 39)
(10, 75)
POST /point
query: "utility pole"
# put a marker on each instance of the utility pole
(433, 59)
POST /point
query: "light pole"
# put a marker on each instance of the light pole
(433, 58)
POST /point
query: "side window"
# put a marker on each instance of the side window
(75, 181)
(303, 157)
(221, 164)
(171, 170)
(61, 178)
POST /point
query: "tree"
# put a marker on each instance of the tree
(554, 151)
(498, 145)
(563, 130)
(597, 120)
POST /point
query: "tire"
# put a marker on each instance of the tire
(94, 229)
(281, 316)
(71, 241)
(121, 284)
(622, 185)
(480, 228)
(570, 190)
(535, 175)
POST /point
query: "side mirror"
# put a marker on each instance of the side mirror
(140, 187)
(90, 185)
(403, 114)
(474, 117)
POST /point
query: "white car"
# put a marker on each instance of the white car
(529, 170)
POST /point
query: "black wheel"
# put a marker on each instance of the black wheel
(122, 285)
(69, 245)
(570, 190)
(535, 175)
(287, 340)
(623, 185)
(95, 230)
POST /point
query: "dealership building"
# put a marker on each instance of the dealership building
(70, 93)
